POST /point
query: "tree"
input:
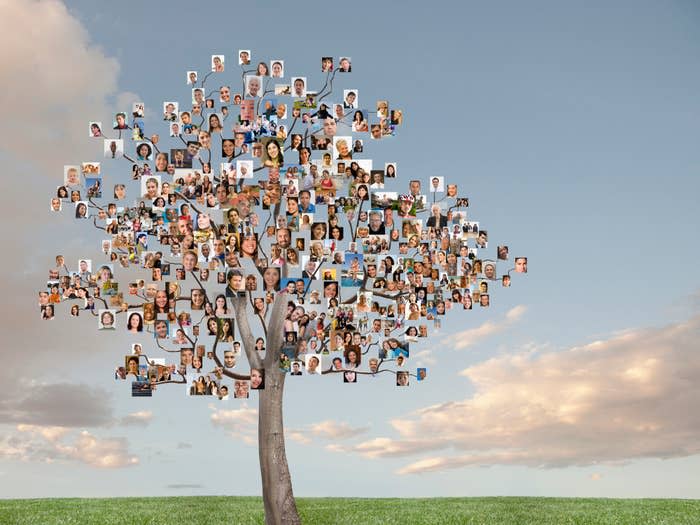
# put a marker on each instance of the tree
(315, 289)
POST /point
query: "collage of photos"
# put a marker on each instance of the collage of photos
(254, 194)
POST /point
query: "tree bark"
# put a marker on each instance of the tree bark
(280, 506)
(278, 498)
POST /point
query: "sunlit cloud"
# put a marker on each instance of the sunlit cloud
(634, 395)
(51, 444)
(467, 338)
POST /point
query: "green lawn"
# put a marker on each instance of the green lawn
(208, 510)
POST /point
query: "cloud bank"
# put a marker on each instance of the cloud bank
(632, 396)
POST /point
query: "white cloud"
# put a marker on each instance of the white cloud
(467, 338)
(386, 447)
(329, 429)
(49, 444)
(240, 423)
(424, 358)
(142, 418)
(54, 81)
(634, 395)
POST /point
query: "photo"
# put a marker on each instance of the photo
(241, 389)
(326, 64)
(298, 87)
(192, 77)
(217, 63)
(437, 184)
(313, 364)
(150, 187)
(344, 65)
(120, 121)
(272, 152)
(95, 129)
(106, 319)
(247, 110)
(113, 148)
(277, 68)
(341, 147)
(253, 86)
(81, 210)
(359, 121)
(244, 169)
(144, 151)
(71, 176)
(244, 57)
(138, 110)
(170, 111)
(350, 99)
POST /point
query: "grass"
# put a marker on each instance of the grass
(206, 510)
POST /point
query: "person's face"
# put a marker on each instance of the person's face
(72, 176)
(197, 297)
(351, 98)
(253, 87)
(283, 238)
(193, 148)
(120, 120)
(236, 281)
(249, 245)
(255, 378)
(521, 265)
(161, 330)
(152, 188)
(204, 140)
(241, 389)
(330, 127)
(298, 87)
(331, 290)
(245, 57)
(203, 221)
(225, 93)
(342, 148)
(229, 359)
(161, 298)
(273, 149)
(133, 366)
(219, 246)
(189, 261)
(304, 156)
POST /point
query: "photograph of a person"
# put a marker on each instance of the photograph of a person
(272, 152)
(217, 63)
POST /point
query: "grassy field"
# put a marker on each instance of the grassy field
(207, 510)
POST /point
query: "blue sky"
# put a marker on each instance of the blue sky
(573, 128)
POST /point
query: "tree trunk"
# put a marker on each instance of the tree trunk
(280, 507)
